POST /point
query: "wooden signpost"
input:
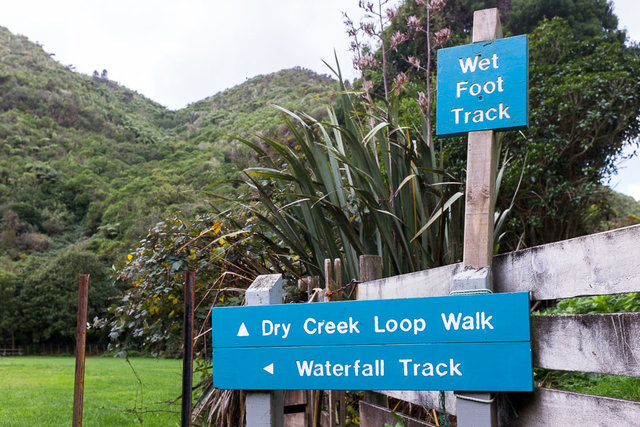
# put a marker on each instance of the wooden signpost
(482, 87)
(478, 343)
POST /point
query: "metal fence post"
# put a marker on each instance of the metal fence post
(187, 356)
(81, 337)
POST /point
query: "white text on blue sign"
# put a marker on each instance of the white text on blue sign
(482, 86)
(313, 326)
(471, 342)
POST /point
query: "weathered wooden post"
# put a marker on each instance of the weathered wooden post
(371, 269)
(264, 408)
(478, 409)
(187, 355)
(482, 87)
(337, 410)
(81, 337)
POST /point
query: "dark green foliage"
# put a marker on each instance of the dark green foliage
(585, 104)
(50, 294)
(9, 307)
(27, 214)
(585, 17)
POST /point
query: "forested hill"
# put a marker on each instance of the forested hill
(86, 162)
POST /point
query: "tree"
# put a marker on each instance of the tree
(586, 18)
(50, 294)
(10, 230)
(9, 319)
(585, 104)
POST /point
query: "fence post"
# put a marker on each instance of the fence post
(187, 354)
(371, 269)
(81, 337)
(478, 409)
(264, 408)
(337, 398)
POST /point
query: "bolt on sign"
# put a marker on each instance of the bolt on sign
(468, 342)
(483, 86)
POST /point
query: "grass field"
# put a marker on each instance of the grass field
(38, 391)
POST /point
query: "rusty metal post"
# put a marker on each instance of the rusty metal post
(187, 357)
(81, 338)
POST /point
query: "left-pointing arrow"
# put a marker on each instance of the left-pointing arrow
(242, 331)
(269, 368)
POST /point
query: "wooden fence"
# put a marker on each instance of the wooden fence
(598, 264)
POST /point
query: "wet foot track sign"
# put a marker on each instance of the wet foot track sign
(469, 342)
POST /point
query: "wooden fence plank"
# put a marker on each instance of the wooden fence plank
(601, 343)
(426, 283)
(374, 415)
(428, 399)
(598, 264)
(547, 407)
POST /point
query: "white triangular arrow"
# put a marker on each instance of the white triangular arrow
(269, 368)
(242, 332)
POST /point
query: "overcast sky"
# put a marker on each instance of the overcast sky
(178, 52)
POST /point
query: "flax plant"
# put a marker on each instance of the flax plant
(361, 181)
(325, 195)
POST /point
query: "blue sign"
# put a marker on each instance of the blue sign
(462, 318)
(467, 342)
(483, 86)
(459, 366)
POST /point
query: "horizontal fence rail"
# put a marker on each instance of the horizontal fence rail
(598, 264)
(599, 343)
(548, 407)
(428, 399)
(374, 415)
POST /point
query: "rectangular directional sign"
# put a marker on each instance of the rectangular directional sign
(468, 342)
(483, 86)
(457, 366)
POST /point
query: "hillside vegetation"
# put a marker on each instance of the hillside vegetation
(88, 166)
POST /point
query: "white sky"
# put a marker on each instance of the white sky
(180, 51)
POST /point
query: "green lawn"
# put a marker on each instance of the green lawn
(38, 391)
